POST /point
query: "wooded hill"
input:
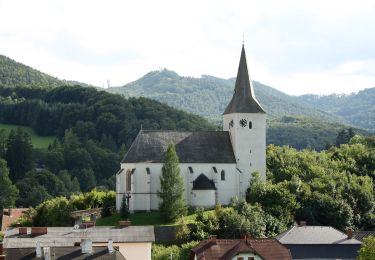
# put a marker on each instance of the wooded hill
(208, 96)
(13, 73)
(358, 109)
(303, 127)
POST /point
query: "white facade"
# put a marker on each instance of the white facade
(146, 183)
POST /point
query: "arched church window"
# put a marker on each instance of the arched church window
(250, 125)
(128, 180)
(223, 175)
(231, 124)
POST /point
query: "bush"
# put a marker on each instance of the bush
(162, 252)
(109, 202)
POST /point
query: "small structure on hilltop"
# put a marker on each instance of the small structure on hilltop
(214, 165)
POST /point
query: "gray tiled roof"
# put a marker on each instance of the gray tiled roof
(243, 100)
(314, 235)
(67, 236)
(360, 235)
(191, 147)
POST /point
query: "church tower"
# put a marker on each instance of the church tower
(245, 119)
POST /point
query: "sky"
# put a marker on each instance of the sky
(298, 47)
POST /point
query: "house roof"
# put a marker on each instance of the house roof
(68, 236)
(9, 216)
(243, 100)
(203, 183)
(268, 249)
(326, 251)
(314, 235)
(191, 147)
(62, 253)
(360, 235)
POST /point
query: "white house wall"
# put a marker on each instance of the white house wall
(144, 197)
(203, 198)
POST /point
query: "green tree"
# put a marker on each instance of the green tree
(171, 192)
(8, 191)
(367, 250)
(19, 154)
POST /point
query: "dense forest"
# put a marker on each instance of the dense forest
(93, 130)
(359, 108)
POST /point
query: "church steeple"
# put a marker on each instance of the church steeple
(243, 100)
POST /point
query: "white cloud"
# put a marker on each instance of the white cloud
(296, 46)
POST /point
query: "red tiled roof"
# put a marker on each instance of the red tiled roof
(215, 249)
(7, 220)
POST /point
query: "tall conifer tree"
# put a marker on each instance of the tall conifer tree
(171, 192)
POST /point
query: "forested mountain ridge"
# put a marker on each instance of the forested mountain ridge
(208, 96)
(13, 73)
(357, 108)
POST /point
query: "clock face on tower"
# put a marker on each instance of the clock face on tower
(243, 122)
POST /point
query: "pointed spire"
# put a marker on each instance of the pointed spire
(243, 100)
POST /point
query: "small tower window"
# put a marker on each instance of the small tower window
(223, 175)
(231, 124)
(250, 125)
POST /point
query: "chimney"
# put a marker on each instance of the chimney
(38, 249)
(110, 246)
(22, 231)
(349, 233)
(302, 223)
(86, 246)
(47, 253)
(37, 231)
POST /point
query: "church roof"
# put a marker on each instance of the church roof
(191, 147)
(203, 183)
(243, 100)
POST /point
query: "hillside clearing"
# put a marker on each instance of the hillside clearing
(40, 142)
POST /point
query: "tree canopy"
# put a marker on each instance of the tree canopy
(173, 204)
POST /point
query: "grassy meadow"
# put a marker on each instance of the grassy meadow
(40, 142)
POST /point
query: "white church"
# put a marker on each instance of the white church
(214, 165)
